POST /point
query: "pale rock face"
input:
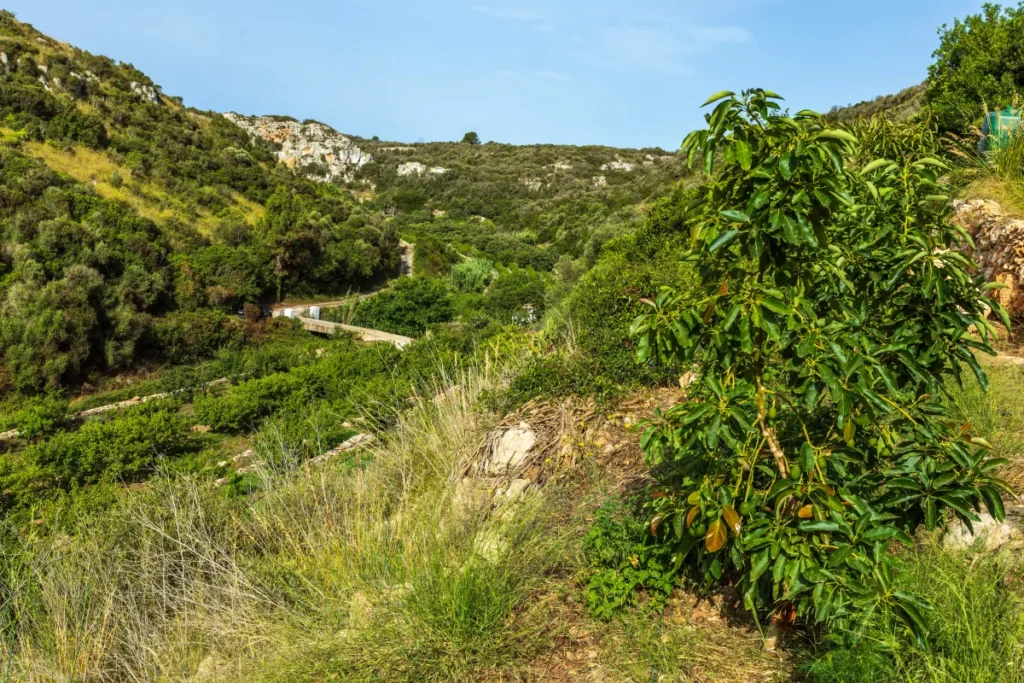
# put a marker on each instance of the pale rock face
(146, 92)
(1000, 247)
(411, 167)
(992, 533)
(600, 181)
(617, 166)
(307, 143)
(46, 86)
(561, 166)
(531, 184)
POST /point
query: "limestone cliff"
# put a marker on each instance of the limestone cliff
(320, 151)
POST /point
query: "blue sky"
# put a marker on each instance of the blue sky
(574, 71)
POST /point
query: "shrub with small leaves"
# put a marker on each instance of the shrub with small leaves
(625, 563)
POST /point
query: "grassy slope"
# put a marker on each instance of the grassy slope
(148, 199)
(372, 570)
(352, 573)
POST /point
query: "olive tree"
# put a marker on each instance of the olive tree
(835, 304)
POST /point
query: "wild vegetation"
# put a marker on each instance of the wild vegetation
(831, 308)
(123, 208)
(795, 325)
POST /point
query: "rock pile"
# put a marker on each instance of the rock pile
(999, 241)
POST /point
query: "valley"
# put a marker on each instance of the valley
(282, 403)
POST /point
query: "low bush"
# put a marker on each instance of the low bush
(626, 565)
(408, 307)
(471, 275)
(122, 449)
(245, 405)
(517, 297)
(186, 338)
(35, 416)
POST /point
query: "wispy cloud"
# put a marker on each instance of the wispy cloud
(534, 18)
(611, 38)
(551, 76)
(626, 47)
(521, 75)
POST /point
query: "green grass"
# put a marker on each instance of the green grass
(330, 573)
(977, 626)
(997, 415)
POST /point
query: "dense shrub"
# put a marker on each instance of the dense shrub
(122, 449)
(190, 337)
(517, 296)
(595, 317)
(433, 258)
(408, 307)
(979, 65)
(816, 432)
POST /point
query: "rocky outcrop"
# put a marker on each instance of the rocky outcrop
(416, 167)
(617, 166)
(146, 92)
(999, 242)
(308, 146)
(987, 533)
(357, 441)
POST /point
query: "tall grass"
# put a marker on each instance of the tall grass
(354, 570)
(997, 415)
(977, 627)
(998, 174)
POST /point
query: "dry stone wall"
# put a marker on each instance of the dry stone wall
(999, 241)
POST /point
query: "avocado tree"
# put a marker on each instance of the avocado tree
(834, 305)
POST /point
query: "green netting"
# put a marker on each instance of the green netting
(998, 129)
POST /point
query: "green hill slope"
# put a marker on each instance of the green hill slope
(123, 213)
(526, 205)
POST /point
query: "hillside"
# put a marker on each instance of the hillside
(524, 205)
(125, 211)
(752, 423)
(899, 107)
